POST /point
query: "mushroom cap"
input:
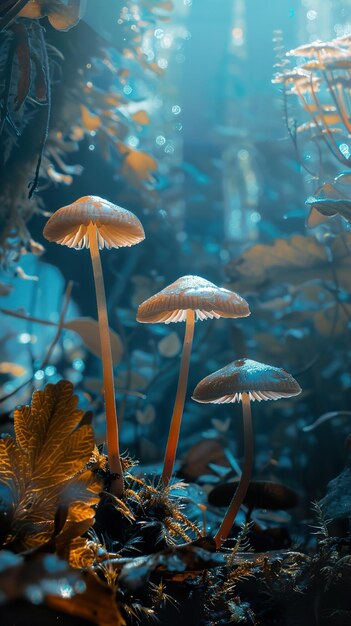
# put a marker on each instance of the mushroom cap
(260, 381)
(196, 293)
(261, 494)
(116, 227)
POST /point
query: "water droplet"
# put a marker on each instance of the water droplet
(176, 109)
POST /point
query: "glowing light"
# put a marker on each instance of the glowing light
(255, 217)
(311, 15)
(345, 150)
(133, 141)
(24, 338)
(176, 109)
(160, 140)
(162, 63)
(78, 365)
(159, 33)
(243, 155)
(167, 41)
(39, 375)
(238, 36)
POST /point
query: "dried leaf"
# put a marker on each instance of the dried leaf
(147, 416)
(186, 558)
(170, 345)
(331, 206)
(89, 120)
(141, 117)
(88, 329)
(96, 604)
(43, 469)
(295, 260)
(197, 459)
(333, 318)
(63, 16)
(137, 166)
(12, 368)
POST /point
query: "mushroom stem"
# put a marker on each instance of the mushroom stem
(174, 430)
(240, 493)
(114, 460)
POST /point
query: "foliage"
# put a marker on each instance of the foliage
(49, 105)
(47, 491)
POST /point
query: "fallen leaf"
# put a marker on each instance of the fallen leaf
(12, 368)
(330, 207)
(43, 470)
(291, 261)
(88, 329)
(170, 345)
(141, 117)
(138, 167)
(89, 120)
(96, 604)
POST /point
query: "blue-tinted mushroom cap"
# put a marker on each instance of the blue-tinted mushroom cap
(260, 381)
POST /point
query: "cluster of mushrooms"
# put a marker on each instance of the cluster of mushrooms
(94, 223)
(321, 81)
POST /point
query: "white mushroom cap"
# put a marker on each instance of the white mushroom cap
(116, 227)
(195, 293)
(260, 381)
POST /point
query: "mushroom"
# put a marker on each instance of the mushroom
(188, 299)
(244, 380)
(94, 223)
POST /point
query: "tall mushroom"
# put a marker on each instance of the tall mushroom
(94, 223)
(187, 299)
(244, 380)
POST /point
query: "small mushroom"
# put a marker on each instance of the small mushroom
(187, 299)
(94, 223)
(244, 380)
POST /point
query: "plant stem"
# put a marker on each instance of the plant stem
(174, 430)
(240, 493)
(114, 460)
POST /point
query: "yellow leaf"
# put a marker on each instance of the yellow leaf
(295, 260)
(89, 120)
(64, 16)
(44, 468)
(88, 329)
(141, 117)
(11, 368)
(137, 166)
